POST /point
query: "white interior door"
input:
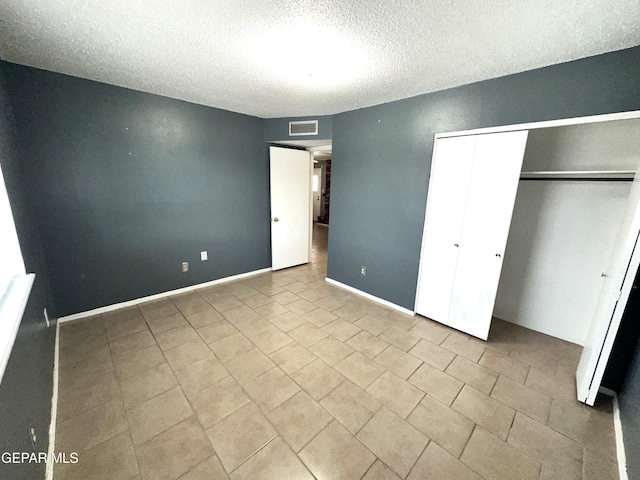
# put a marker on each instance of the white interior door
(495, 174)
(317, 192)
(447, 197)
(290, 180)
(617, 281)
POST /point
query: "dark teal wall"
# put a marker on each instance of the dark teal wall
(128, 185)
(277, 129)
(630, 415)
(382, 158)
(26, 388)
(623, 376)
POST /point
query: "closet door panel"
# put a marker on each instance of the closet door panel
(617, 283)
(447, 198)
(492, 191)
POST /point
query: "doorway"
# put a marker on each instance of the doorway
(317, 192)
(318, 188)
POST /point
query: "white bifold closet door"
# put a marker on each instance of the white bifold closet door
(446, 203)
(472, 191)
(617, 282)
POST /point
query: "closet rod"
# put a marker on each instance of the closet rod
(619, 175)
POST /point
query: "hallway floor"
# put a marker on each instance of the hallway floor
(283, 376)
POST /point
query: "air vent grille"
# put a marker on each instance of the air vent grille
(307, 127)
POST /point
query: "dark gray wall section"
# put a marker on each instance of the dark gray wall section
(625, 344)
(128, 185)
(382, 158)
(26, 388)
(630, 415)
(277, 129)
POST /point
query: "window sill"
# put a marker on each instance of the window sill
(11, 311)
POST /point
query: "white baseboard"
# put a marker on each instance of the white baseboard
(617, 425)
(157, 296)
(54, 406)
(368, 296)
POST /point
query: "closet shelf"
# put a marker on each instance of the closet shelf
(580, 175)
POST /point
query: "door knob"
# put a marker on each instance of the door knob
(603, 274)
(276, 219)
(456, 245)
(498, 255)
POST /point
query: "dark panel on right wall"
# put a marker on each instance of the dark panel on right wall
(630, 415)
(382, 159)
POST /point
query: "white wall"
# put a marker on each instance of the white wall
(594, 146)
(562, 232)
(11, 262)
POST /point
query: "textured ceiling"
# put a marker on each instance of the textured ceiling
(296, 57)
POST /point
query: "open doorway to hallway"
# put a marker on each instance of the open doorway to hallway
(322, 187)
(320, 248)
(321, 192)
(321, 199)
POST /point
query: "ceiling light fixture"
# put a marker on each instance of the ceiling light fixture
(308, 55)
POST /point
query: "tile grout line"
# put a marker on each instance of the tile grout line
(370, 467)
(128, 430)
(194, 411)
(475, 425)
(494, 385)
(124, 410)
(254, 453)
(266, 417)
(459, 391)
(419, 456)
(579, 443)
(162, 352)
(204, 430)
(369, 419)
(406, 419)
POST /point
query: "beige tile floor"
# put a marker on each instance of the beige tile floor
(283, 376)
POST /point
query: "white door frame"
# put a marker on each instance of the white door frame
(634, 261)
(564, 122)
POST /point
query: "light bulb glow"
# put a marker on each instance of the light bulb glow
(308, 55)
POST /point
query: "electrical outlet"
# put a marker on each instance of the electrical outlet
(363, 271)
(46, 317)
(185, 266)
(203, 256)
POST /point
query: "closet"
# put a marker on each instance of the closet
(565, 202)
(572, 195)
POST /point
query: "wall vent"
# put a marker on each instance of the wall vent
(307, 127)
